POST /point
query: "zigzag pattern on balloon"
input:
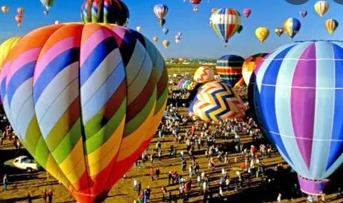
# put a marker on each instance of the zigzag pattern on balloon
(216, 101)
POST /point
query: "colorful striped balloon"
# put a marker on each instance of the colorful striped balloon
(225, 22)
(6, 47)
(203, 74)
(229, 67)
(291, 26)
(297, 96)
(216, 101)
(105, 11)
(250, 64)
(85, 100)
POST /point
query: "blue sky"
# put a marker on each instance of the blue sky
(198, 39)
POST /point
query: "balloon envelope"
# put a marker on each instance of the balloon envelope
(216, 101)
(85, 100)
(250, 64)
(105, 11)
(203, 74)
(291, 26)
(298, 98)
(229, 67)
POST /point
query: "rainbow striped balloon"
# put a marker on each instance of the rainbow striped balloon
(297, 96)
(85, 100)
(216, 101)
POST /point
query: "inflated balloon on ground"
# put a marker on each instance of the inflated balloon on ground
(85, 100)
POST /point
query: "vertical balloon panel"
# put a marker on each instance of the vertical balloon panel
(93, 98)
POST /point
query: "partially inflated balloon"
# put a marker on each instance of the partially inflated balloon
(297, 94)
(250, 64)
(331, 25)
(216, 101)
(291, 26)
(105, 11)
(203, 74)
(6, 47)
(321, 7)
(262, 33)
(85, 100)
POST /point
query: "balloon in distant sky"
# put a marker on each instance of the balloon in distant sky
(180, 34)
(331, 25)
(155, 39)
(262, 33)
(47, 5)
(303, 13)
(225, 22)
(85, 100)
(165, 30)
(166, 43)
(278, 31)
(240, 29)
(297, 94)
(6, 47)
(4, 9)
(246, 12)
(177, 39)
(20, 11)
(195, 3)
(291, 26)
(321, 7)
(105, 11)
(161, 11)
(139, 28)
(19, 19)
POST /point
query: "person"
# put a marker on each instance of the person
(49, 196)
(4, 182)
(44, 196)
(28, 198)
(278, 199)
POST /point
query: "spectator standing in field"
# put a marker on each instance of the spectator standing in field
(4, 182)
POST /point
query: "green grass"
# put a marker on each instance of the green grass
(182, 68)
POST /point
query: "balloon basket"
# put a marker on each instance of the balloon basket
(312, 187)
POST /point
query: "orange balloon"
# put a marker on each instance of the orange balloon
(20, 11)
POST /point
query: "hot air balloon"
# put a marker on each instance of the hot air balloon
(166, 43)
(195, 3)
(303, 13)
(321, 7)
(19, 19)
(229, 68)
(331, 25)
(240, 29)
(250, 64)
(298, 100)
(105, 11)
(279, 31)
(47, 4)
(91, 114)
(4, 9)
(225, 22)
(139, 29)
(155, 39)
(180, 34)
(20, 11)
(216, 101)
(165, 30)
(177, 39)
(262, 33)
(291, 26)
(246, 12)
(203, 74)
(161, 11)
(6, 47)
